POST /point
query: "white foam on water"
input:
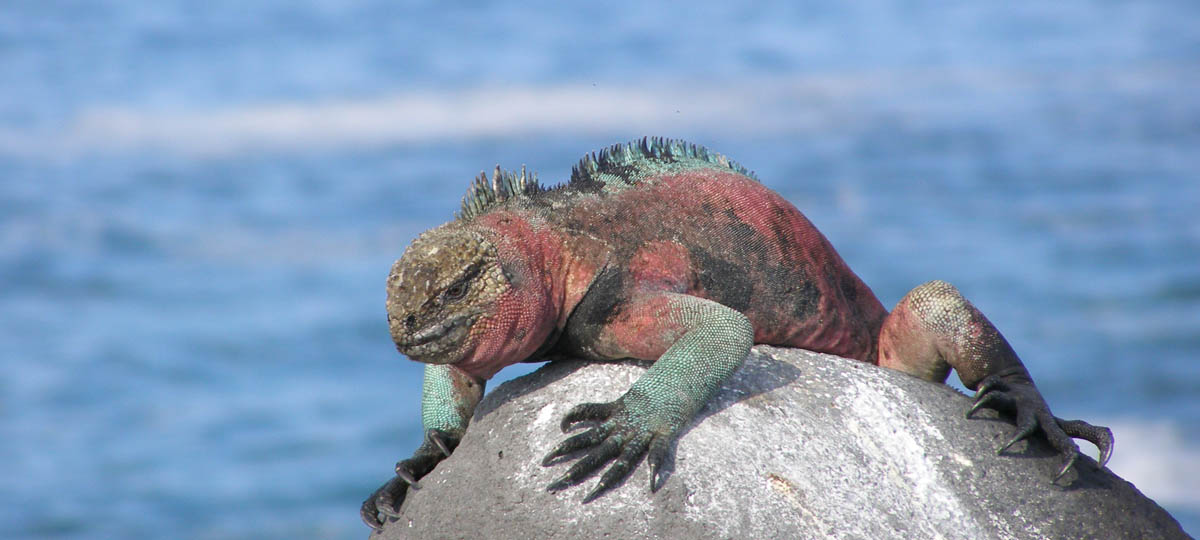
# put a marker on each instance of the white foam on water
(1157, 457)
(404, 118)
(820, 103)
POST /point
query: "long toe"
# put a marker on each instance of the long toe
(1100, 436)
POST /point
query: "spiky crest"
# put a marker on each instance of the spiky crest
(618, 166)
(483, 194)
(648, 155)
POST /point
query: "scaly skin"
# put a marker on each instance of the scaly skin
(661, 251)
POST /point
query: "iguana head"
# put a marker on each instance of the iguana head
(459, 296)
(438, 292)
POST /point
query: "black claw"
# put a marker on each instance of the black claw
(587, 439)
(386, 501)
(1066, 466)
(657, 456)
(599, 490)
(559, 485)
(1100, 436)
(992, 400)
(389, 511)
(437, 440)
(391, 498)
(370, 513)
(1023, 433)
(382, 501)
(404, 474)
(990, 383)
(587, 411)
(979, 404)
(628, 459)
(1106, 450)
(588, 465)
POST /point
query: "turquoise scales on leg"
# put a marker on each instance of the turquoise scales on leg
(448, 399)
(715, 340)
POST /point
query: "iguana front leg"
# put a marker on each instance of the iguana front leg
(934, 329)
(448, 399)
(697, 344)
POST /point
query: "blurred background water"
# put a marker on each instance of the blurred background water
(199, 203)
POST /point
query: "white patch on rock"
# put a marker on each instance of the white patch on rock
(902, 454)
(796, 445)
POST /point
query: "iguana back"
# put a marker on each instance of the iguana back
(679, 218)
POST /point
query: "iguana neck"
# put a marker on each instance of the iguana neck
(549, 269)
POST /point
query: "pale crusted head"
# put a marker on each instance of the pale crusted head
(446, 281)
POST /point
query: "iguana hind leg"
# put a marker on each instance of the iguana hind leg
(934, 329)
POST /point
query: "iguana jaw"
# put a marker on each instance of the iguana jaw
(438, 331)
(436, 343)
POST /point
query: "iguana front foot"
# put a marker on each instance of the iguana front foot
(387, 499)
(625, 432)
(1022, 399)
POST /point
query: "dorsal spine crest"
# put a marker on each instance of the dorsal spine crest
(610, 163)
(617, 167)
(484, 194)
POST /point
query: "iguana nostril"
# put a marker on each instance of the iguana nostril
(410, 322)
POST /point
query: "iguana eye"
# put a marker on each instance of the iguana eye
(455, 292)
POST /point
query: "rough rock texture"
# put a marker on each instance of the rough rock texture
(796, 445)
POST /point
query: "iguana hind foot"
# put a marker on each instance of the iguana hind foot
(1032, 414)
(934, 328)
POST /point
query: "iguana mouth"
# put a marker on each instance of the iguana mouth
(435, 339)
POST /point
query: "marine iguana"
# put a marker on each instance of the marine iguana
(661, 250)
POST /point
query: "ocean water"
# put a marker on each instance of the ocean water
(199, 203)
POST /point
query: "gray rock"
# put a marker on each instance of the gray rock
(796, 445)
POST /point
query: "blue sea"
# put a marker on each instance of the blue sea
(199, 202)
